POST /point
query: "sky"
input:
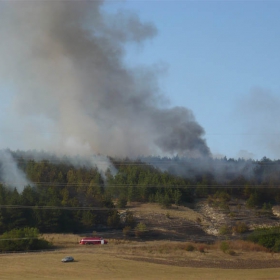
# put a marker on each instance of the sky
(219, 60)
(222, 61)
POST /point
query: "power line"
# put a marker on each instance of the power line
(39, 207)
(198, 185)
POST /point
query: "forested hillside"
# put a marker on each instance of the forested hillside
(62, 197)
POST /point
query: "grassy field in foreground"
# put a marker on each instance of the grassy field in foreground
(95, 264)
(115, 261)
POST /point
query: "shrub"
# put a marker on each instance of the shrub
(122, 202)
(253, 200)
(190, 248)
(224, 246)
(127, 231)
(151, 198)
(232, 252)
(247, 246)
(268, 237)
(223, 205)
(276, 247)
(222, 196)
(140, 230)
(114, 220)
(129, 219)
(266, 209)
(240, 228)
(165, 201)
(210, 200)
(225, 229)
(24, 239)
(267, 206)
(232, 214)
(177, 195)
(201, 249)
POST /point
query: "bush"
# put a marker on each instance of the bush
(240, 228)
(122, 202)
(177, 195)
(114, 220)
(201, 249)
(190, 248)
(253, 200)
(269, 238)
(266, 209)
(247, 246)
(224, 246)
(140, 230)
(127, 231)
(222, 196)
(165, 201)
(232, 252)
(225, 229)
(232, 214)
(223, 205)
(276, 247)
(23, 240)
(129, 219)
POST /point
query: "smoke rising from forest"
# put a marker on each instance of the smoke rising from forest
(72, 92)
(10, 174)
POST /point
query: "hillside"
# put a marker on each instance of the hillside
(201, 221)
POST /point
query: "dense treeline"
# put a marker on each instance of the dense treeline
(62, 188)
(256, 181)
(59, 193)
(136, 181)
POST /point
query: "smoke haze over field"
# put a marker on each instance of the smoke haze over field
(70, 91)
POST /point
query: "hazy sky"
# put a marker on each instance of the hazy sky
(218, 59)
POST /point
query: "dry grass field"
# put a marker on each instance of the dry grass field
(91, 264)
(154, 259)
(141, 260)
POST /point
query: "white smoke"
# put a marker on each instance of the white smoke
(10, 174)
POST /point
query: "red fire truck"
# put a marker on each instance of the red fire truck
(93, 241)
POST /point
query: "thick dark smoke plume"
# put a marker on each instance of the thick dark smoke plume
(72, 92)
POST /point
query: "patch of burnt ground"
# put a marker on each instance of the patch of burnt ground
(164, 227)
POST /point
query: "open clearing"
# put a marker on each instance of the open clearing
(136, 260)
(155, 258)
